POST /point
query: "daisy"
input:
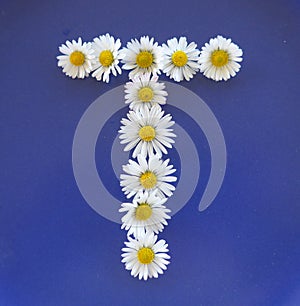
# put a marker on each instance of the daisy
(144, 92)
(148, 175)
(141, 57)
(145, 256)
(219, 59)
(180, 59)
(145, 213)
(77, 58)
(148, 130)
(106, 51)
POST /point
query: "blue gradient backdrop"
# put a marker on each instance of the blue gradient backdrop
(242, 251)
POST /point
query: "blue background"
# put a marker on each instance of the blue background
(243, 250)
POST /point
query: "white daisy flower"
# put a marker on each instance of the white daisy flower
(148, 130)
(141, 57)
(144, 92)
(145, 256)
(77, 58)
(145, 213)
(180, 60)
(107, 57)
(148, 175)
(219, 59)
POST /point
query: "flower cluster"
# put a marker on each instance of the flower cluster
(147, 179)
(218, 59)
(147, 131)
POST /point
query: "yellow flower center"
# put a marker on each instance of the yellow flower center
(77, 58)
(144, 59)
(147, 133)
(219, 58)
(143, 211)
(106, 58)
(179, 58)
(148, 180)
(145, 94)
(145, 256)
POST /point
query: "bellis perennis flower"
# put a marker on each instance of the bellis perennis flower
(147, 131)
(146, 213)
(145, 256)
(144, 92)
(77, 58)
(141, 57)
(148, 175)
(106, 51)
(219, 59)
(180, 59)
